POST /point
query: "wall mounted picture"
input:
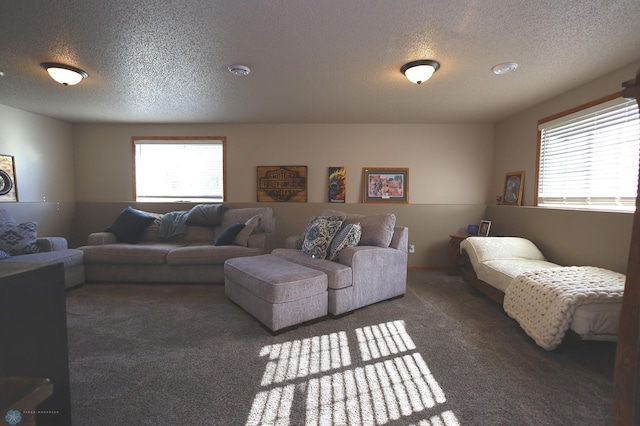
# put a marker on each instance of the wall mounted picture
(513, 186)
(485, 226)
(385, 185)
(8, 185)
(337, 184)
(282, 184)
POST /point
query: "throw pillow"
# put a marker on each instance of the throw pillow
(311, 220)
(4, 255)
(349, 236)
(130, 225)
(318, 235)
(206, 214)
(377, 230)
(242, 239)
(228, 234)
(19, 238)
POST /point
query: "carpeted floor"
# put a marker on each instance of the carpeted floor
(185, 355)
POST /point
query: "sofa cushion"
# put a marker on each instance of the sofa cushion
(70, 257)
(206, 214)
(228, 234)
(143, 253)
(318, 236)
(377, 230)
(242, 215)
(339, 275)
(200, 234)
(19, 238)
(4, 255)
(130, 225)
(249, 227)
(349, 236)
(208, 254)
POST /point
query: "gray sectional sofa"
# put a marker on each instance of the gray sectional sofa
(19, 243)
(196, 255)
(341, 262)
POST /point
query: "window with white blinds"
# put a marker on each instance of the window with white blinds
(589, 159)
(185, 169)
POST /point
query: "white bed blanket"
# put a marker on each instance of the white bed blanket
(543, 302)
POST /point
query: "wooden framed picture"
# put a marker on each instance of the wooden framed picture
(385, 185)
(8, 185)
(337, 184)
(282, 184)
(485, 226)
(513, 186)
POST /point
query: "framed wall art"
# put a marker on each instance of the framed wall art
(385, 185)
(337, 184)
(282, 184)
(8, 184)
(485, 226)
(513, 186)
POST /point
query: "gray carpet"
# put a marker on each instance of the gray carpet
(185, 355)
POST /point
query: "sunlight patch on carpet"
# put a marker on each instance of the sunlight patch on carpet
(394, 382)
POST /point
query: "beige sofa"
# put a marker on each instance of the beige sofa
(189, 257)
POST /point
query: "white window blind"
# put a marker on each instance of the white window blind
(589, 159)
(179, 170)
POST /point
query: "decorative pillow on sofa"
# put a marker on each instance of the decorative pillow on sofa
(206, 214)
(304, 234)
(318, 236)
(130, 225)
(377, 230)
(4, 255)
(349, 236)
(242, 239)
(228, 234)
(19, 238)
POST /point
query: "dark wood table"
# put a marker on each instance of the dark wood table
(20, 398)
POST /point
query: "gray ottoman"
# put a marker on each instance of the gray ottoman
(276, 292)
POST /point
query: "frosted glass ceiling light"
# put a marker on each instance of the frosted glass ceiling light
(504, 68)
(420, 71)
(64, 74)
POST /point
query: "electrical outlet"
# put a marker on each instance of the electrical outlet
(412, 248)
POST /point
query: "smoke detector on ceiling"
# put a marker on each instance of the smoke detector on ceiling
(239, 70)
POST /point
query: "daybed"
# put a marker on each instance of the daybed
(545, 298)
(183, 246)
(19, 242)
(340, 263)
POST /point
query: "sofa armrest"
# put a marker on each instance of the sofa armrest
(101, 238)
(292, 242)
(46, 244)
(261, 240)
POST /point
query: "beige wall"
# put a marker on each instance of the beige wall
(449, 164)
(597, 238)
(43, 153)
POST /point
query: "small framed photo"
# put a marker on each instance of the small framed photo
(485, 226)
(385, 185)
(513, 186)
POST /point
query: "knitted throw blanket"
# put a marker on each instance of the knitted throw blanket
(543, 302)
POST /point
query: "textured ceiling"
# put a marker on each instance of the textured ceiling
(321, 61)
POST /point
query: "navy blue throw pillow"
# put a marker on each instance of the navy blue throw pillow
(130, 225)
(228, 234)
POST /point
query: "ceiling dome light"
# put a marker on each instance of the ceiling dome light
(64, 74)
(420, 71)
(504, 68)
(239, 70)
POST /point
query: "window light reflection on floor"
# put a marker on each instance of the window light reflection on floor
(392, 384)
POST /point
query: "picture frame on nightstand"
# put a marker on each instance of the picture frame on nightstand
(485, 226)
